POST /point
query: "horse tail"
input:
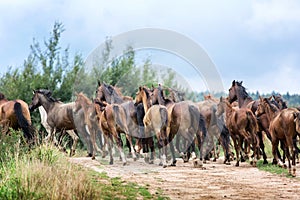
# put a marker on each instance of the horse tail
(225, 140)
(164, 116)
(22, 121)
(252, 123)
(194, 112)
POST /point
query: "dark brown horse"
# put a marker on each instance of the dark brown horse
(59, 115)
(284, 127)
(15, 114)
(242, 125)
(237, 92)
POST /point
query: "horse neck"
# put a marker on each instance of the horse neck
(228, 112)
(270, 113)
(243, 100)
(47, 105)
(146, 103)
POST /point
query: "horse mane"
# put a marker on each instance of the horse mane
(242, 91)
(272, 106)
(47, 94)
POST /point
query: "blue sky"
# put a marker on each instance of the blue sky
(254, 41)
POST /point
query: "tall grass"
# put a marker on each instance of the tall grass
(44, 173)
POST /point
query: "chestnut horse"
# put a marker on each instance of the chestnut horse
(15, 114)
(242, 125)
(284, 126)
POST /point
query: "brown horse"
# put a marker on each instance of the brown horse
(238, 92)
(112, 121)
(90, 120)
(284, 127)
(59, 115)
(242, 125)
(215, 127)
(15, 114)
(155, 120)
(184, 120)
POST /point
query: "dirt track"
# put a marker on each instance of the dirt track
(216, 181)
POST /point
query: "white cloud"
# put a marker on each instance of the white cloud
(274, 18)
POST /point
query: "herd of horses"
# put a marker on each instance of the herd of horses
(161, 117)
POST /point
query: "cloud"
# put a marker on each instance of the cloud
(274, 18)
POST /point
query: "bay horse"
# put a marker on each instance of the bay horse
(59, 115)
(112, 121)
(242, 125)
(15, 114)
(284, 126)
(90, 121)
(184, 120)
(111, 95)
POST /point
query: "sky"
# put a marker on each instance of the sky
(257, 42)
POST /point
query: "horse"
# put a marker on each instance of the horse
(59, 115)
(242, 125)
(112, 121)
(112, 95)
(90, 121)
(15, 114)
(184, 120)
(284, 126)
(155, 120)
(237, 92)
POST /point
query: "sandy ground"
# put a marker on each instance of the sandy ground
(215, 181)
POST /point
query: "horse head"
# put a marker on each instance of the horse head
(297, 121)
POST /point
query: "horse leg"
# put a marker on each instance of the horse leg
(262, 146)
(173, 153)
(132, 150)
(120, 147)
(152, 150)
(237, 149)
(275, 143)
(200, 147)
(291, 155)
(75, 140)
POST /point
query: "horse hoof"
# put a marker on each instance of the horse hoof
(151, 162)
(89, 155)
(93, 158)
(215, 160)
(164, 166)
(146, 160)
(124, 163)
(111, 162)
(237, 164)
(265, 162)
(228, 163)
(160, 164)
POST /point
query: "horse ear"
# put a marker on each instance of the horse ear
(140, 88)
(99, 83)
(270, 98)
(260, 98)
(233, 83)
(33, 91)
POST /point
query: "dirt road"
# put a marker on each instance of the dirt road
(216, 181)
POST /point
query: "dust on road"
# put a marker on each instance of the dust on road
(216, 181)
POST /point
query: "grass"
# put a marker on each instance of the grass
(45, 173)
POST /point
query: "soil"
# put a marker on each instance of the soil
(214, 181)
